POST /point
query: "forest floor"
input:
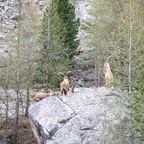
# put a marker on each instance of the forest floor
(25, 133)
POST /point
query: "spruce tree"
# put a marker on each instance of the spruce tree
(67, 14)
(58, 59)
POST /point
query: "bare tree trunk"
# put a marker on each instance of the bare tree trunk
(15, 137)
(28, 101)
(28, 91)
(98, 76)
(95, 73)
(7, 101)
(29, 68)
(48, 47)
(21, 102)
(130, 51)
(6, 119)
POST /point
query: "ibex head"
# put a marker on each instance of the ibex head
(65, 76)
(106, 64)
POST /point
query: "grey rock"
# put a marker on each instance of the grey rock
(15, 16)
(56, 116)
(81, 117)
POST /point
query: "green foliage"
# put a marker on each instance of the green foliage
(99, 28)
(108, 31)
(58, 57)
(66, 12)
(138, 104)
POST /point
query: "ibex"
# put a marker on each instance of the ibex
(40, 96)
(65, 84)
(107, 73)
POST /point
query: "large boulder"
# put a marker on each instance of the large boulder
(81, 117)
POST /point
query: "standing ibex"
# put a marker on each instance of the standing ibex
(65, 84)
(107, 73)
(40, 96)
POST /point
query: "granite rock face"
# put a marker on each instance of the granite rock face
(83, 117)
(9, 16)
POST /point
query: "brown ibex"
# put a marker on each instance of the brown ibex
(107, 73)
(41, 95)
(65, 84)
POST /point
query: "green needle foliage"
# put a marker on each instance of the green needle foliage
(66, 12)
(116, 28)
(58, 58)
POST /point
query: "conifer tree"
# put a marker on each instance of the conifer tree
(99, 28)
(58, 58)
(67, 14)
(116, 27)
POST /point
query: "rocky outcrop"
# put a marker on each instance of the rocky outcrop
(9, 16)
(83, 117)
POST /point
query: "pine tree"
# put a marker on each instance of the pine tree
(67, 14)
(58, 58)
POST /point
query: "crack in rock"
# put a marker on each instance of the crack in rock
(71, 108)
(56, 129)
(87, 128)
(67, 120)
(65, 123)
